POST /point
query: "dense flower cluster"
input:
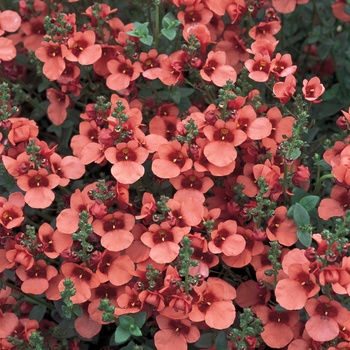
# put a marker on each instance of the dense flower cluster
(157, 188)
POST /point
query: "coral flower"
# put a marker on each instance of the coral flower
(215, 300)
(223, 137)
(115, 268)
(67, 168)
(265, 30)
(175, 334)
(225, 239)
(10, 21)
(115, 230)
(59, 102)
(7, 50)
(278, 326)
(83, 278)
(281, 228)
(215, 69)
(127, 159)
(259, 68)
(164, 241)
(36, 279)
(313, 89)
(284, 90)
(288, 6)
(325, 317)
(122, 73)
(82, 48)
(255, 128)
(173, 160)
(53, 241)
(22, 130)
(51, 54)
(293, 292)
(38, 185)
(11, 215)
(337, 205)
(339, 11)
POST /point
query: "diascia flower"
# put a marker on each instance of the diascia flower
(82, 48)
(38, 185)
(164, 241)
(215, 69)
(325, 317)
(127, 159)
(313, 89)
(214, 300)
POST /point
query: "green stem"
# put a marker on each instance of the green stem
(156, 35)
(320, 181)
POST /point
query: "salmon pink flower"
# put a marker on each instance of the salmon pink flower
(115, 230)
(68, 219)
(339, 12)
(10, 21)
(7, 50)
(223, 137)
(265, 30)
(164, 241)
(122, 73)
(325, 317)
(282, 66)
(82, 48)
(281, 228)
(255, 128)
(293, 292)
(83, 278)
(200, 31)
(36, 279)
(173, 160)
(259, 68)
(115, 268)
(215, 300)
(215, 70)
(234, 47)
(225, 239)
(151, 63)
(67, 168)
(38, 185)
(284, 90)
(313, 89)
(171, 68)
(337, 205)
(53, 241)
(22, 130)
(127, 159)
(288, 6)
(59, 102)
(51, 54)
(175, 333)
(11, 214)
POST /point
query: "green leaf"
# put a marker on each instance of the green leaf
(167, 19)
(300, 216)
(170, 34)
(148, 40)
(309, 202)
(304, 237)
(135, 331)
(140, 318)
(77, 310)
(295, 154)
(66, 311)
(125, 321)
(121, 335)
(221, 341)
(205, 341)
(37, 312)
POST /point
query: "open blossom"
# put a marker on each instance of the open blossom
(288, 6)
(313, 89)
(51, 54)
(127, 159)
(215, 69)
(38, 185)
(82, 48)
